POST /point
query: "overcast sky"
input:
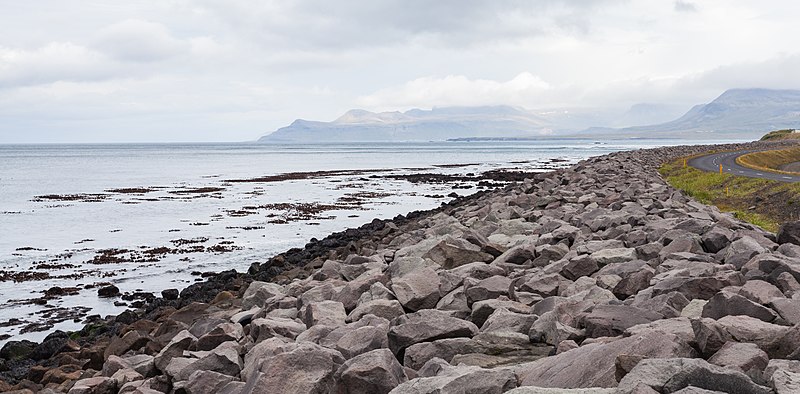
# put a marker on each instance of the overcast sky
(203, 70)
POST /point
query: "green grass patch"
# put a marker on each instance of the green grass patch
(729, 193)
(787, 134)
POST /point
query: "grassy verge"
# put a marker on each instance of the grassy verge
(761, 202)
(770, 160)
(787, 134)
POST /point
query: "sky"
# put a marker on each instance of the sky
(233, 70)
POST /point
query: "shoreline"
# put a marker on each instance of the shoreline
(229, 290)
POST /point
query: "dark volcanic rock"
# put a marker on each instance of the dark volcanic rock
(108, 291)
(789, 233)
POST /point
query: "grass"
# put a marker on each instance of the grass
(770, 160)
(787, 134)
(729, 193)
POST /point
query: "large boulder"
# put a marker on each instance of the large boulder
(612, 320)
(597, 361)
(789, 233)
(463, 380)
(425, 326)
(375, 372)
(450, 253)
(743, 357)
(329, 313)
(668, 375)
(418, 289)
(258, 292)
(742, 250)
(305, 368)
(614, 256)
(725, 304)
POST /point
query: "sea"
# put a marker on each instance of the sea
(149, 217)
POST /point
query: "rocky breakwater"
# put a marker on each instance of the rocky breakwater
(599, 278)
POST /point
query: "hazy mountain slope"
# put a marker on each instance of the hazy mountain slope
(437, 124)
(737, 111)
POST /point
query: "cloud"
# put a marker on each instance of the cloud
(56, 61)
(139, 41)
(684, 6)
(458, 90)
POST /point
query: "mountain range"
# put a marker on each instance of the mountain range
(737, 113)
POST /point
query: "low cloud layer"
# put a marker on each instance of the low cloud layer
(201, 70)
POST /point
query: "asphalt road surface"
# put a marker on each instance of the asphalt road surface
(728, 160)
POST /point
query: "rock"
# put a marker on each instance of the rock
(108, 291)
(170, 294)
(788, 309)
(633, 283)
(711, 335)
(789, 232)
(743, 357)
(387, 309)
(124, 376)
(517, 255)
(362, 340)
(261, 351)
(481, 310)
(17, 350)
(265, 328)
(304, 368)
(258, 292)
(353, 290)
(418, 289)
(132, 340)
(548, 329)
(727, 304)
(223, 359)
(502, 320)
(223, 332)
(579, 266)
(329, 313)
(742, 250)
(787, 283)
(785, 382)
(180, 342)
(702, 287)
(547, 254)
(694, 309)
(672, 374)
(97, 385)
(680, 327)
(424, 326)
(543, 390)
(614, 256)
(613, 320)
(489, 288)
(375, 372)
(596, 361)
(206, 382)
(760, 291)
(544, 285)
(450, 254)
(463, 380)
(716, 239)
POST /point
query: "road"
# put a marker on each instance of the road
(728, 160)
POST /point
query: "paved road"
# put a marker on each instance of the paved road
(728, 160)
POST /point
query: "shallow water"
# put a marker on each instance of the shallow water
(60, 205)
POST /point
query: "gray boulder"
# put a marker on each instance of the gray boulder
(425, 326)
(596, 361)
(669, 375)
(418, 289)
(375, 372)
(727, 304)
(306, 368)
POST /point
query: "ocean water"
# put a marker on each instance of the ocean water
(145, 218)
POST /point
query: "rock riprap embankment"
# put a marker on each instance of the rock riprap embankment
(599, 278)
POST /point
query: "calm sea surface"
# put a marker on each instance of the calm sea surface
(150, 217)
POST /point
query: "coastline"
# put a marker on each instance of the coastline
(508, 278)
